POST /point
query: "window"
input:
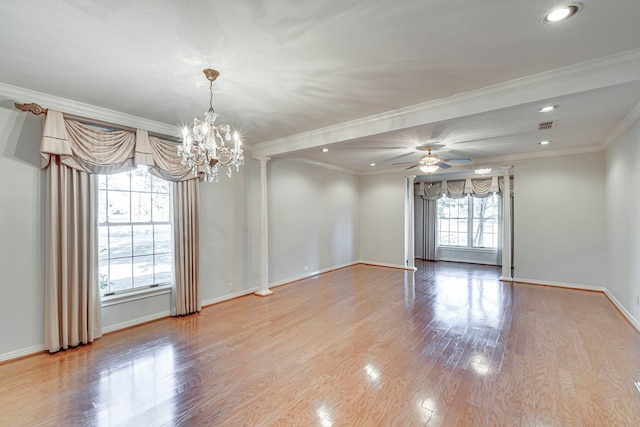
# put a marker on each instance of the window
(468, 222)
(134, 231)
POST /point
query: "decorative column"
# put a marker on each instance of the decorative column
(409, 225)
(264, 231)
(506, 226)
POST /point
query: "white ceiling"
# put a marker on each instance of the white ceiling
(464, 75)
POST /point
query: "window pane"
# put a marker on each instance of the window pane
(102, 181)
(119, 205)
(160, 185)
(162, 239)
(120, 274)
(143, 271)
(163, 269)
(102, 206)
(103, 243)
(120, 241)
(119, 181)
(140, 179)
(142, 240)
(161, 207)
(103, 276)
(140, 207)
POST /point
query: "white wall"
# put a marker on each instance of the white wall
(559, 220)
(313, 219)
(22, 200)
(230, 233)
(622, 226)
(382, 211)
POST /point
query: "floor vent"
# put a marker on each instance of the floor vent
(545, 125)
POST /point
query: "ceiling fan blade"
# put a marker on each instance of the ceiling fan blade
(399, 157)
(372, 148)
(402, 163)
(443, 165)
(457, 160)
(411, 167)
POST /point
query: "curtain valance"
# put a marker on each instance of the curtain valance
(91, 151)
(460, 188)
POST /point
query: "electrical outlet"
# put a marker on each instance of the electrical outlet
(305, 268)
(230, 286)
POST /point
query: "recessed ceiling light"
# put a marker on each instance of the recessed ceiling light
(324, 150)
(372, 164)
(546, 142)
(548, 108)
(561, 13)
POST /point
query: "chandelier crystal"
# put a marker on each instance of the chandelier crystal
(209, 145)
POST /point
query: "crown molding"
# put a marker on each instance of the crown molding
(599, 73)
(623, 126)
(22, 95)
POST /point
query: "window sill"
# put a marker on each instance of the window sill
(135, 295)
(468, 249)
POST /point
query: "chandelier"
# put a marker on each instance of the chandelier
(209, 145)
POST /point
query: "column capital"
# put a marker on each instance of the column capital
(262, 159)
(506, 169)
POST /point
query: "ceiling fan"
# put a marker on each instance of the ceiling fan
(430, 163)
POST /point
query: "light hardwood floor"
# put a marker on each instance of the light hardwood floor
(362, 346)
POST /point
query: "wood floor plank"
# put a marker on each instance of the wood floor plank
(447, 345)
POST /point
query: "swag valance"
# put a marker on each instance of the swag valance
(92, 151)
(460, 188)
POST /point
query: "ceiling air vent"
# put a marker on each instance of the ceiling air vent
(545, 125)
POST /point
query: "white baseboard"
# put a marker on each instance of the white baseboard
(228, 297)
(382, 264)
(311, 274)
(22, 352)
(558, 284)
(624, 311)
(135, 322)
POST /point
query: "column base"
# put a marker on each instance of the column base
(505, 279)
(264, 293)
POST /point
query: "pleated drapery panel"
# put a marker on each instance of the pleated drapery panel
(186, 230)
(72, 153)
(72, 296)
(430, 250)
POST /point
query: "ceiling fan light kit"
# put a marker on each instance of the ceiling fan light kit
(430, 163)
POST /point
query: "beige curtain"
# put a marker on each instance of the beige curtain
(426, 224)
(72, 297)
(71, 152)
(186, 230)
